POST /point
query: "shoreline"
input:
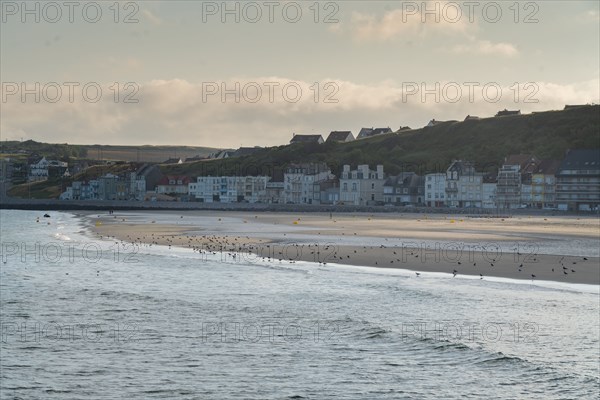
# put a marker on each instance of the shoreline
(345, 240)
(10, 203)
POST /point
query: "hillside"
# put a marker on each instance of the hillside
(485, 142)
(144, 153)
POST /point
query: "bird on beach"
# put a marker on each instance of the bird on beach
(454, 273)
(418, 274)
(532, 276)
(480, 276)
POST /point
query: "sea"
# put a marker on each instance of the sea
(83, 317)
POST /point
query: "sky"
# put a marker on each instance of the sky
(231, 74)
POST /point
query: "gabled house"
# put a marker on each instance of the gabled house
(318, 139)
(370, 132)
(405, 189)
(505, 113)
(246, 151)
(340, 137)
(362, 186)
(433, 122)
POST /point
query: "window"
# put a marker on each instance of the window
(372, 186)
(345, 187)
(429, 186)
(354, 187)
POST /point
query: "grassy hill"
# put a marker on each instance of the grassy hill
(485, 142)
(144, 153)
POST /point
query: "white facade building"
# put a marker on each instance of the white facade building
(302, 183)
(230, 189)
(361, 186)
(435, 189)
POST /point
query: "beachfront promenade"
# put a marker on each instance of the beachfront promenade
(53, 204)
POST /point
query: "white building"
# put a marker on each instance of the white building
(463, 185)
(435, 189)
(40, 171)
(361, 186)
(230, 189)
(302, 182)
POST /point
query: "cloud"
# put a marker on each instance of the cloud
(487, 48)
(407, 21)
(181, 112)
(151, 17)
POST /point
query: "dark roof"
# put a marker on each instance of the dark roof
(339, 136)
(306, 139)
(246, 151)
(506, 112)
(368, 132)
(582, 159)
(548, 167)
(404, 128)
(469, 117)
(404, 179)
(172, 161)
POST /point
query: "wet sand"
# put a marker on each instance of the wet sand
(481, 247)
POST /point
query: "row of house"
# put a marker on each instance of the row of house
(341, 136)
(347, 136)
(522, 181)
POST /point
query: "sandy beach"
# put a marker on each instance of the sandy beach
(563, 249)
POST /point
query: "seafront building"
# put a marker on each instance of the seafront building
(543, 184)
(435, 189)
(302, 182)
(463, 185)
(361, 186)
(404, 189)
(578, 181)
(523, 181)
(229, 189)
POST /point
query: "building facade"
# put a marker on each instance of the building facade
(435, 189)
(361, 186)
(578, 181)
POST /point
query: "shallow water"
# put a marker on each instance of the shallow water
(88, 321)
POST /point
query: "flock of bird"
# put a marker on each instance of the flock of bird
(234, 246)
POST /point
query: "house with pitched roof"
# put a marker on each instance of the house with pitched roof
(318, 139)
(340, 137)
(370, 132)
